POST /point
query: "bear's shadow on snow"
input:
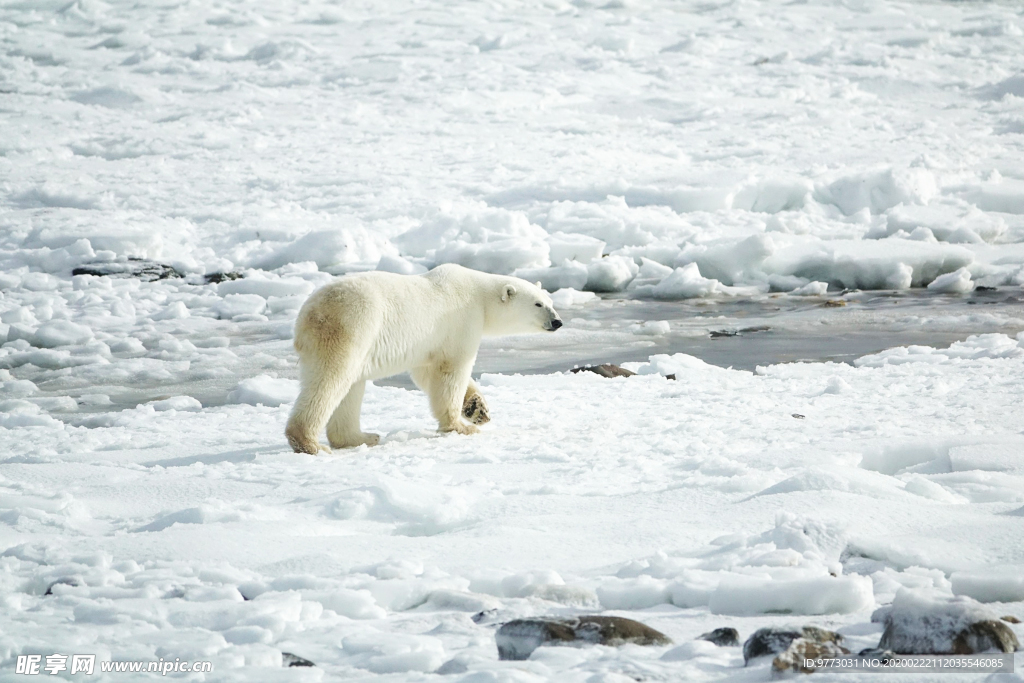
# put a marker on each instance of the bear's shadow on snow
(243, 455)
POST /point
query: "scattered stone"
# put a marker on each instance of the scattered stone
(288, 659)
(72, 581)
(982, 636)
(803, 649)
(834, 303)
(217, 278)
(983, 288)
(722, 637)
(605, 370)
(142, 269)
(518, 639)
(672, 376)
(736, 333)
(799, 416)
(1009, 618)
(919, 624)
(772, 641)
(485, 616)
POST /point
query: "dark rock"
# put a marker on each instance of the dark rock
(288, 659)
(1010, 619)
(799, 416)
(72, 581)
(519, 638)
(741, 331)
(672, 376)
(722, 637)
(771, 640)
(605, 370)
(217, 278)
(144, 270)
(484, 617)
(834, 303)
(982, 636)
(983, 288)
(803, 649)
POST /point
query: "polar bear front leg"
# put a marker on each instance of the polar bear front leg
(343, 429)
(474, 407)
(445, 384)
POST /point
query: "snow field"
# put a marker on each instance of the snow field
(881, 153)
(688, 504)
(649, 150)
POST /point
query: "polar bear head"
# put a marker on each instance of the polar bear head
(521, 307)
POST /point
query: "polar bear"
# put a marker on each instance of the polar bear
(371, 325)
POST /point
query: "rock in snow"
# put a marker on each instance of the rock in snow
(771, 640)
(518, 639)
(918, 623)
(722, 637)
(605, 370)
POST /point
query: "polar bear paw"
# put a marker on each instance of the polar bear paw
(360, 439)
(475, 410)
(301, 442)
(462, 428)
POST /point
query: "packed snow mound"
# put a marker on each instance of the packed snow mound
(976, 347)
(264, 390)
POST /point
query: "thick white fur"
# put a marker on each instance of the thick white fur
(372, 325)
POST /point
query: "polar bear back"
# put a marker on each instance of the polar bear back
(405, 321)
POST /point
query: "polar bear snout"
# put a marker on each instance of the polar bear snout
(554, 324)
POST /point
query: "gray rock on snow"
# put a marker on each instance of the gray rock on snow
(605, 370)
(802, 649)
(919, 624)
(722, 637)
(288, 660)
(518, 639)
(772, 641)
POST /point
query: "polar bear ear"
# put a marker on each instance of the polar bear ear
(539, 285)
(507, 292)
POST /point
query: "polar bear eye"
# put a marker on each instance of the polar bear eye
(538, 305)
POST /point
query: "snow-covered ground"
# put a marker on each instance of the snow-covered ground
(743, 156)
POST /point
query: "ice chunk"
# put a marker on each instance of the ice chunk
(181, 403)
(266, 287)
(54, 333)
(565, 298)
(574, 247)
(569, 275)
(390, 652)
(686, 283)
(878, 190)
(812, 595)
(397, 264)
(957, 282)
(234, 305)
(1002, 584)
(264, 390)
(610, 274)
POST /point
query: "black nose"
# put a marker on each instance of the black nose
(555, 324)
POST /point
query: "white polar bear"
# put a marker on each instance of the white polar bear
(372, 325)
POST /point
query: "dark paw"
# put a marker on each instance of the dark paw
(475, 410)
